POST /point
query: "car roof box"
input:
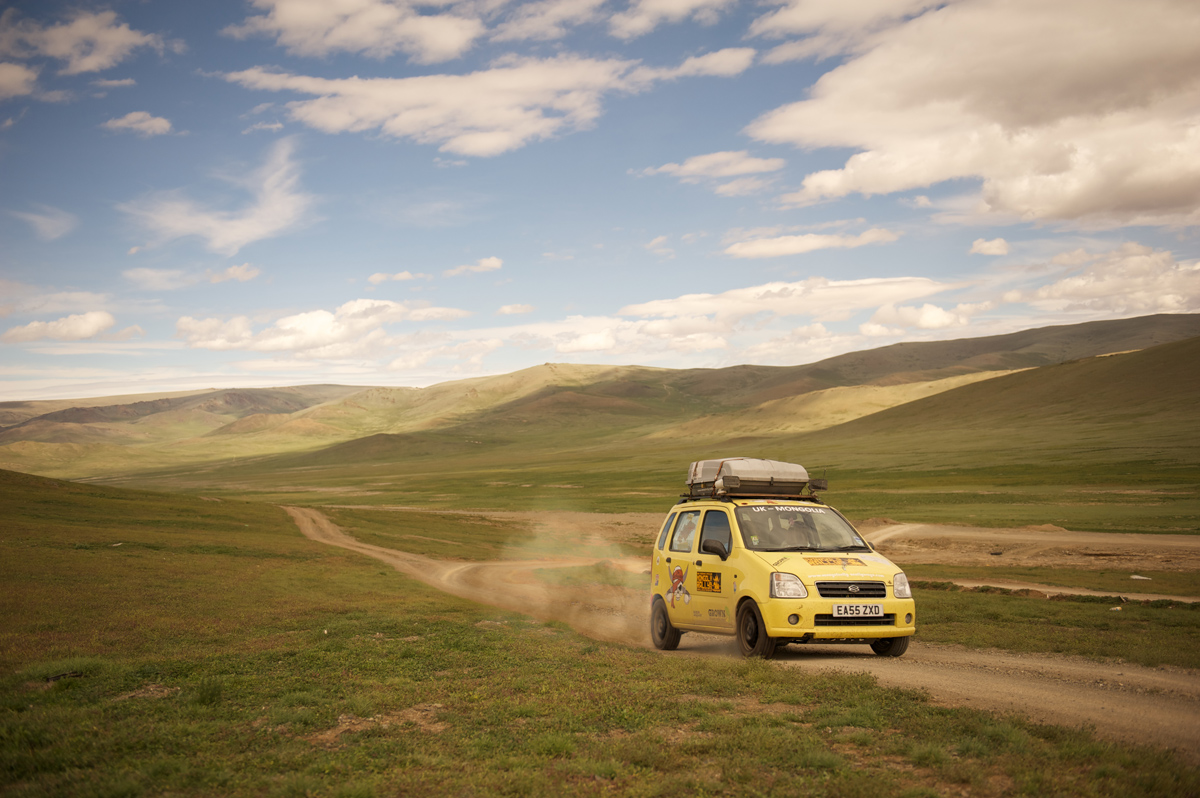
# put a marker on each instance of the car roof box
(745, 476)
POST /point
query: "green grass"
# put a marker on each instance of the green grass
(1118, 582)
(227, 655)
(1163, 633)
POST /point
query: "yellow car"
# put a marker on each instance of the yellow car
(750, 551)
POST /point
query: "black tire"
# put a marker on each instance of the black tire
(752, 633)
(890, 646)
(665, 636)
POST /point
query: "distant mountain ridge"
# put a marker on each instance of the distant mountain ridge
(545, 408)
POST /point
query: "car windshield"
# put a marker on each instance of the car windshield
(796, 527)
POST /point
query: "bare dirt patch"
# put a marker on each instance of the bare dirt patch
(941, 544)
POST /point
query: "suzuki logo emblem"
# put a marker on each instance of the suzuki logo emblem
(853, 588)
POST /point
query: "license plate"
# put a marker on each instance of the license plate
(857, 610)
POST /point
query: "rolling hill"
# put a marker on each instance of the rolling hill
(935, 398)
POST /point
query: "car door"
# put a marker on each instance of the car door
(713, 581)
(679, 575)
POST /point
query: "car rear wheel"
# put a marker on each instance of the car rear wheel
(665, 636)
(752, 633)
(890, 646)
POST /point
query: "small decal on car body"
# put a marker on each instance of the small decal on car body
(708, 582)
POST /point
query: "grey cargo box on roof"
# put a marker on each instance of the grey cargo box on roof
(745, 476)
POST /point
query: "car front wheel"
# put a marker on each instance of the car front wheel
(752, 633)
(890, 646)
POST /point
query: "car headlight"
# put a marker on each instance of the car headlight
(900, 586)
(787, 586)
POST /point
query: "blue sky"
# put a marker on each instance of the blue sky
(378, 192)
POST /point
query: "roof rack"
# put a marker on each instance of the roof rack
(746, 478)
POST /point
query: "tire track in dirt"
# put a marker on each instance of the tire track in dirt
(621, 616)
(1130, 703)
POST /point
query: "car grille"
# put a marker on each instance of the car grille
(843, 589)
(829, 620)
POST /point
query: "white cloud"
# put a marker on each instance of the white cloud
(1132, 279)
(718, 165)
(809, 242)
(50, 223)
(926, 317)
(382, 277)
(546, 20)
(658, 246)
(159, 279)
(481, 265)
(997, 246)
(820, 298)
(277, 207)
(140, 122)
(242, 274)
(114, 84)
(376, 28)
(743, 186)
(644, 16)
(727, 63)
(71, 328)
(88, 42)
(485, 113)
(270, 127)
(466, 356)
(16, 80)
(832, 28)
(722, 165)
(1077, 110)
(514, 310)
(355, 329)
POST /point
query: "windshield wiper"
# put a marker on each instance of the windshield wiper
(791, 548)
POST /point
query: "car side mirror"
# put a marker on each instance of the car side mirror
(713, 546)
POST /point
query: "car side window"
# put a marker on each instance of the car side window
(662, 538)
(716, 527)
(685, 531)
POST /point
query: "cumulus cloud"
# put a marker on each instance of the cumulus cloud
(87, 41)
(48, 223)
(382, 277)
(375, 28)
(644, 16)
(1132, 279)
(514, 310)
(997, 246)
(16, 80)
(355, 329)
(71, 328)
(278, 206)
(546, 20)
(1078, 110)
(810, 242)
(481, 265)
(926, 317)
(484, 113)
(140, 122)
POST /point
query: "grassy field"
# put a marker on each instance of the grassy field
(160, 644)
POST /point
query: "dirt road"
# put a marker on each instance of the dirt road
(1159, 706)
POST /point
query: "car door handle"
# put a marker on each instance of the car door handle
(668, 559)
(699, 562)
